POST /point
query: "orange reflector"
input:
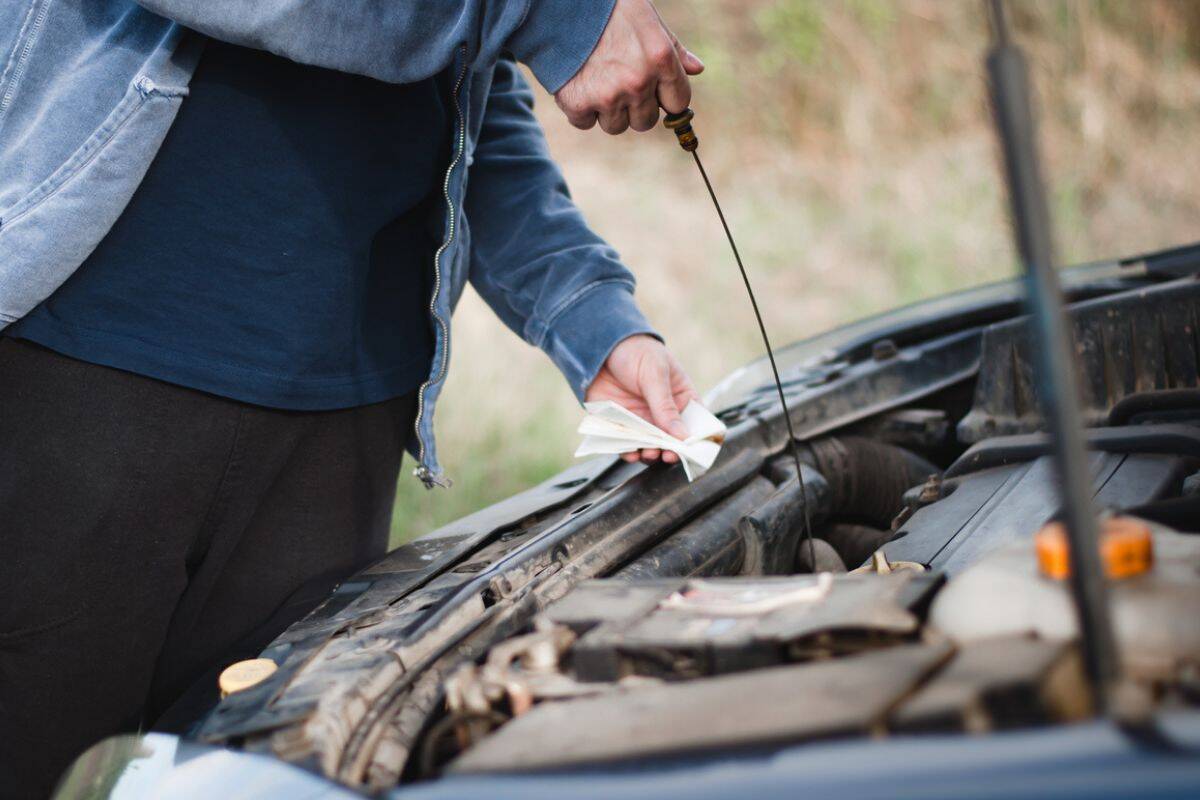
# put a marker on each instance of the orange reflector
(1126, 548)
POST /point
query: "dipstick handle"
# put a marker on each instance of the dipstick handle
(681, 124)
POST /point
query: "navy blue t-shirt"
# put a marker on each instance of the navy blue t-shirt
(280, 248)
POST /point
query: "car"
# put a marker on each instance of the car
(935, 655)
(903, 611)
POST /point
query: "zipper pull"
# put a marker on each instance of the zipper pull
(430, 480)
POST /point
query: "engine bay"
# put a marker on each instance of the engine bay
(618, 614)
(633, 665)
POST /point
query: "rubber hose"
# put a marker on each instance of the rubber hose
(868, 479)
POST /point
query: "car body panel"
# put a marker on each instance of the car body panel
(1095, 760)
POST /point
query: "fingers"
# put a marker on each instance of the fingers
(684, 391)
(585, 121)
(640, 110)
(644, 115)
(637, 66)
(656, 389)
(614, 121)
(691, 63)
(674, 90)
(645, 377)
(681, 384)
(578, 115)
(667, 456)
(648, 455)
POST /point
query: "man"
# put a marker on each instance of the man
(231, 236)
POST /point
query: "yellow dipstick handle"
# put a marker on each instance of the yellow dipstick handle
(681, 123)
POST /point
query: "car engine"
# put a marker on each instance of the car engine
(606, 616)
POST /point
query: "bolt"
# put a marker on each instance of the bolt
(884, 349)
(931, 490)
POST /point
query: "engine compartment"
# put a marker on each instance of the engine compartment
(927, 611)
(924, 637)
(617, 614)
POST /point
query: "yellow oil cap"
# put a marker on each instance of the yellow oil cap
(245, 674)
(1126, 548)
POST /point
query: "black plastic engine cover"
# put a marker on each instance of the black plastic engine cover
(1128, 344)
(995, 506)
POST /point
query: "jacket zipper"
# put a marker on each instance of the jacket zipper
(422, 471)
(20, 55)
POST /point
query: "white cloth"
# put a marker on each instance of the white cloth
(608, 428)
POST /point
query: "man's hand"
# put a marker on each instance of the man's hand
(642, 376)
(637, 66)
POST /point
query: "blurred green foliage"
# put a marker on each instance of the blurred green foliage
(792, 32)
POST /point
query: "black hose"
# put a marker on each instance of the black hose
(1166, 405)
(867, 479)
(711, 544)
(755, 531)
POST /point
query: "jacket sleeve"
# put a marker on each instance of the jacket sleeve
(403, 41)
(533, 258)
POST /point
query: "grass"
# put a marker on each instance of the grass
(851, 146)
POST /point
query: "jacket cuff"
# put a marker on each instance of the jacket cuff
(580, 339)
(557, 36)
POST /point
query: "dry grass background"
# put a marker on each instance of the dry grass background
(851, 147)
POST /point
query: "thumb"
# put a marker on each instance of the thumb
(664, 413)
(692, 64)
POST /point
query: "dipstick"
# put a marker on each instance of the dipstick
(681, 125)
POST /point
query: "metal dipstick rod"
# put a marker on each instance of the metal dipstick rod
(681, 124)
(1059, 394)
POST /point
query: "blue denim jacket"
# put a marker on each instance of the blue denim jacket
(89, 88)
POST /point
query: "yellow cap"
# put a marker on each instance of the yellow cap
(245, 674)
(1126, 548)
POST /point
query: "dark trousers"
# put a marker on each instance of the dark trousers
(150, 535)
